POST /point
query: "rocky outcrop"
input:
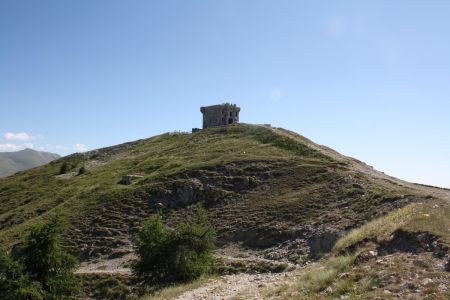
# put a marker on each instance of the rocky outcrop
(109, 227)
(128, 179)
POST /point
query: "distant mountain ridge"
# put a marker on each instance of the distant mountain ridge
(13, 162)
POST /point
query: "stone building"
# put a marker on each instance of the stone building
(220, 115)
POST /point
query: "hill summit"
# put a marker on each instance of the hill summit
(276, 199)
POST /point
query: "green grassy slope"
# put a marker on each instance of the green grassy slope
(31, 195)
(262, 187)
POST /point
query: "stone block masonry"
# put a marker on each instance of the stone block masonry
(220, 115)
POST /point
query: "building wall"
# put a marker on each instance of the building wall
(220, 115)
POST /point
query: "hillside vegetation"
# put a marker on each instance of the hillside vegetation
(38, 193)
(274, 198)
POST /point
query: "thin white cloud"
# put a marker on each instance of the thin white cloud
(80, 147)
(20, 136)
(53, 147)
(10, 147)
(275, 94)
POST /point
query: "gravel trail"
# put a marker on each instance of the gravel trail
(245, 286)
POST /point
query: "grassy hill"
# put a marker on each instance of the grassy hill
(13, 162)
(270, 194)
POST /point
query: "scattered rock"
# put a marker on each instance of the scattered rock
(407, 286)
(426, 281)
(128, 179)
(367, 255)
(419, 263)
(322, 243)
(412, 242)
(447, 265)
(102, 232)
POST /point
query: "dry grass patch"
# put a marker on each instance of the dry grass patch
(431, 216)
(316, 280)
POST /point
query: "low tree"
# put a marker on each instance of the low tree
(179, 254)
(14, 283)
(192, 247)
(47, 262)
(153, 240)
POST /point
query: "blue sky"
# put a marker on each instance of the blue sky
(368, 78)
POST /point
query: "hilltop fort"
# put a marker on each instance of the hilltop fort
(220, 115)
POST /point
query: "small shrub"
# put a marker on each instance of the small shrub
(180, 254)
(82, 170)
(72, 162)
(153, 239)
(318, 281)
(65, 167)
(341, 263)
(194, 242)
(343, 287)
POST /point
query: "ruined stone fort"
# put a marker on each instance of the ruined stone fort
(220, 115)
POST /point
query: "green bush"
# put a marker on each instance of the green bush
(82, 170)
(180, 254)
(46, 262)
(72, 162)
(65, 167)
(42, 270)
(153, 239)
(14, 284)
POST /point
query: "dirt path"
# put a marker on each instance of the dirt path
(245, 286)
(110, 266)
